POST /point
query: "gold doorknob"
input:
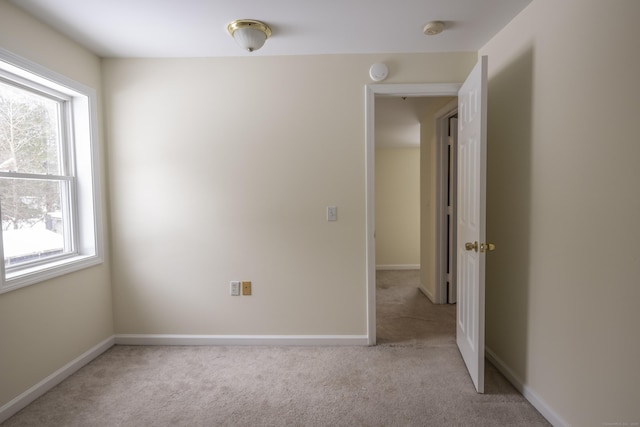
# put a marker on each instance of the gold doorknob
(487, 247)
(471, 246)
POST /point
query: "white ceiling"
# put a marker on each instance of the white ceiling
(197, 28)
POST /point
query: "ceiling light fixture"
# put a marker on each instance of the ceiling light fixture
(434, 27)
(249, 34)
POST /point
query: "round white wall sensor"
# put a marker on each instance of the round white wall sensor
(378, 72)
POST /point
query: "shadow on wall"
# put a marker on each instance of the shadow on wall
(509, 138)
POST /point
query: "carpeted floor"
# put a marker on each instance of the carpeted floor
(414, 377)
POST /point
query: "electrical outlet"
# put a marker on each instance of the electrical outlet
(234, 286)
(246, 288)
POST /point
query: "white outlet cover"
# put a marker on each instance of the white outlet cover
(234, 287)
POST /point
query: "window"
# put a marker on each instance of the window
(49, 190)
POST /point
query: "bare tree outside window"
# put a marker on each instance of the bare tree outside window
(50, 210)
(31, 191)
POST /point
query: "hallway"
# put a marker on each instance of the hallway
(406, 316)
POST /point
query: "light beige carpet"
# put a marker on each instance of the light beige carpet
(414, 377)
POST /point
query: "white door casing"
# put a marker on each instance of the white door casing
(472, 135)
(371, 91)
(452, 290)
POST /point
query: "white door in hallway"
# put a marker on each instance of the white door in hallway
(471, 247)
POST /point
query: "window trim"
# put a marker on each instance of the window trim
(86, 166)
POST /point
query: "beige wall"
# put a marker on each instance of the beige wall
(397, 185)
(221, 169)
(45, 326)
(563, 206)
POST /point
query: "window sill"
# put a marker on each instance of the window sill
(29, 276)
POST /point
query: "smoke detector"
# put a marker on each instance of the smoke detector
(434, 27)
(378, 72)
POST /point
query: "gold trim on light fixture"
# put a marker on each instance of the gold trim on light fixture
(248, 33)
(248, 23)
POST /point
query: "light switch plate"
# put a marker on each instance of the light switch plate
(332, 213)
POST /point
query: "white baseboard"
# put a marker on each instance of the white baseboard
(526, 391)
(427, 293)
(298, 340)
(53, 380)
(398, 267)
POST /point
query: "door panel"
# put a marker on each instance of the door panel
(472, 123)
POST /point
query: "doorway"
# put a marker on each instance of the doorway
(398, 90)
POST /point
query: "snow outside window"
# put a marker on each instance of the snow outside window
(49, 199)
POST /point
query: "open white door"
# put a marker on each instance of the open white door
(471, 249)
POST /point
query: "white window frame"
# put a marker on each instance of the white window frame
(86, 202)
